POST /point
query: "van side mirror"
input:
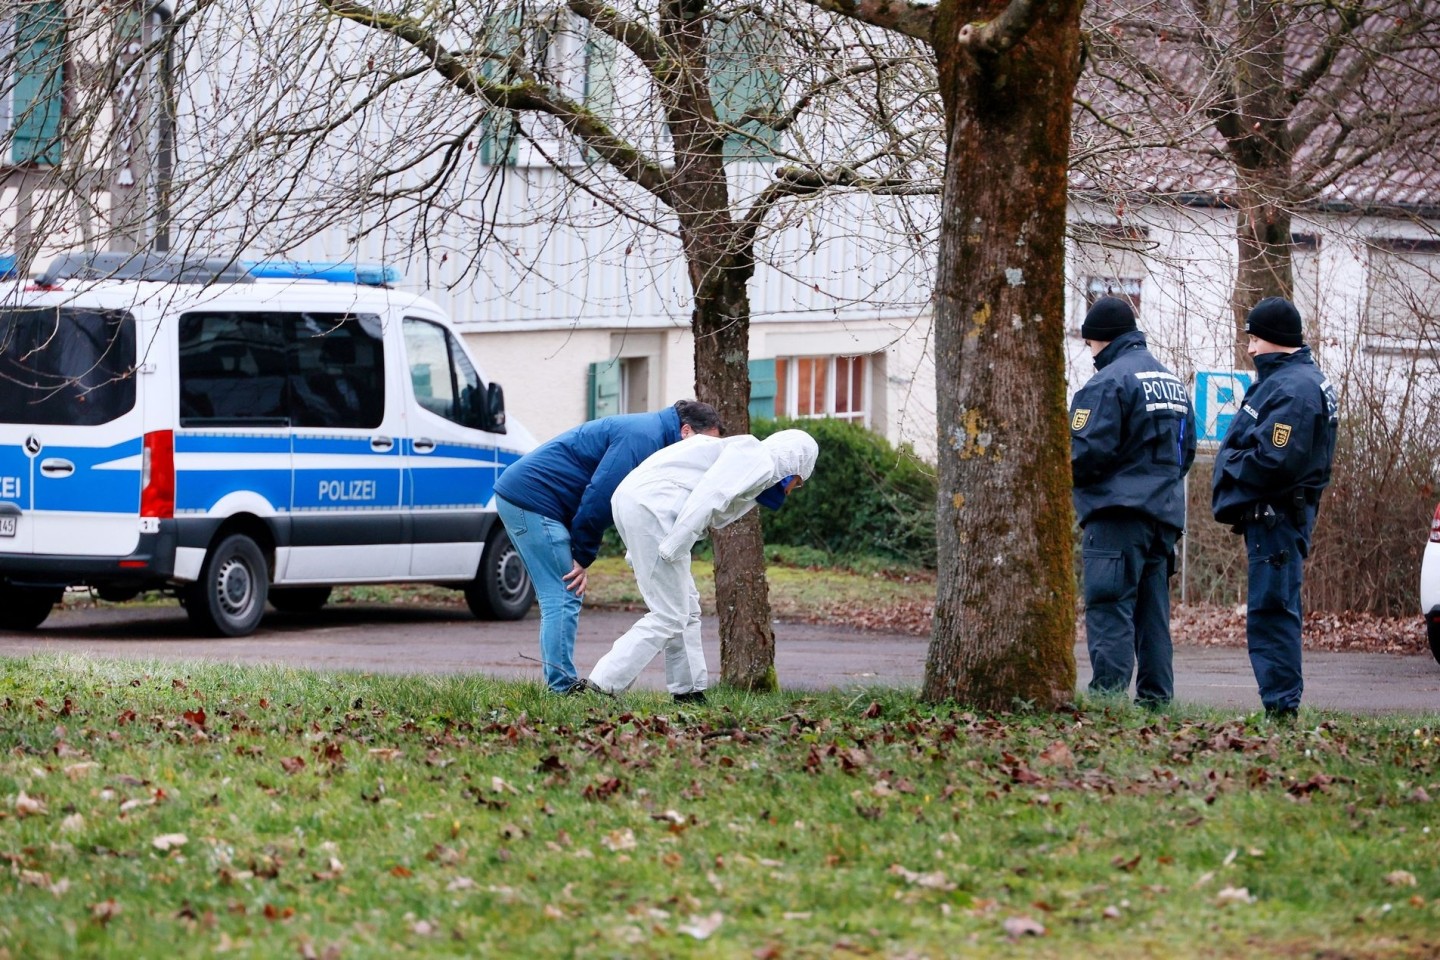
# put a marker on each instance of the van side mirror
(494, 412)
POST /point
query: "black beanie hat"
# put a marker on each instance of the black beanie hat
(1109, 318)
(1276, 320)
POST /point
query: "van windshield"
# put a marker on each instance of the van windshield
(66, 365)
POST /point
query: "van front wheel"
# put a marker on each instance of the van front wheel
(229, 598)
(502, 589)
(25, 609)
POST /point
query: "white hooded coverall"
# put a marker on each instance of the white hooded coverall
(661, 509)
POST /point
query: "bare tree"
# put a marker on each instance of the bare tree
(1302, 101)
(696, 120)
(1005, 604)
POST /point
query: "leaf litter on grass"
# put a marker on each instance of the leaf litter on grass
(476, 816)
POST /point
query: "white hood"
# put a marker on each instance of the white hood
(794, 453)
(702, 482)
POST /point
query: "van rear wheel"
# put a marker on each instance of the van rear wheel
(299, 599)
(501, 589)
(25, 608)
(229, 598)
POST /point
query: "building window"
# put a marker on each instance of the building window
(1109, 262)
(1403, 290)
(745, 81)
(1126, 288)
(822, 387)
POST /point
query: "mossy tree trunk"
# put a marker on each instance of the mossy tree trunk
(1004, 627)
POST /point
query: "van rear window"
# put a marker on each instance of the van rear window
(66, 365)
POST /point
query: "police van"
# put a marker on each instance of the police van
(242, 433)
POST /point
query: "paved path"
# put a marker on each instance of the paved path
(408, 639)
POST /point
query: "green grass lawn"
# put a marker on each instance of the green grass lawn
(160, 811)
(900, 600)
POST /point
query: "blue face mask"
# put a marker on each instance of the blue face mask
(774, 497)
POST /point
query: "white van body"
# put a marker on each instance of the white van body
(311, 434)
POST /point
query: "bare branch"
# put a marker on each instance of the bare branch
(911, 19)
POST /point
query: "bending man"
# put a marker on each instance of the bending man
(661, 510)
(555, 503)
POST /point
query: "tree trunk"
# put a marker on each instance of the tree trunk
(1258, 139)
(1004, 628)
(722, 377)
(1262, 234)
(720, 264)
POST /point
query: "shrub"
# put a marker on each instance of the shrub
(866, 498)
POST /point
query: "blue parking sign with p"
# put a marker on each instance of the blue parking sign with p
(1217, 399)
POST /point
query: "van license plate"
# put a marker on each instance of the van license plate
(7, 526)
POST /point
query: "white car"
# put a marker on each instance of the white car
(1430, 585)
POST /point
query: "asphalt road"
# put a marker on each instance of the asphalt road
(411, 639)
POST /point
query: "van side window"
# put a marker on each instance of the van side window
(337, 371)
(309, 370)
(232, 366)
(444, 380)
(66, 365)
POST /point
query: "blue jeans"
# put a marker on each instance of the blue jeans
(544, 545)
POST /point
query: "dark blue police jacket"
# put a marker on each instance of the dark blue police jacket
(1132, 435)
(571, 478)
(1282, 440)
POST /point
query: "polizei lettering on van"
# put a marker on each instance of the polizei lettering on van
(10, 488)
(347, 491)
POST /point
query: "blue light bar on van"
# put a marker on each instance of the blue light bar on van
(9, 266)
(369, 274)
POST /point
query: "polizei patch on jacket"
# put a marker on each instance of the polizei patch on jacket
(1082, 417)
(1280, 435)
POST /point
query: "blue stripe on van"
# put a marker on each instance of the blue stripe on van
(437, 482)
(88, 490)
(15, 476)
(196, 491)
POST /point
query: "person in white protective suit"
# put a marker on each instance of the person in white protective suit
(661, 509)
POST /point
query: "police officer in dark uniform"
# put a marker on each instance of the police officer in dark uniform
(1269, 473)
(1132, 439)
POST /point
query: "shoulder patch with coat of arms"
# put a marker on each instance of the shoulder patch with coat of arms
(1280, 435)
(1081, 418)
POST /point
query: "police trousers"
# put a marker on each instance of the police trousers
(1276, 545)
(1128, 558)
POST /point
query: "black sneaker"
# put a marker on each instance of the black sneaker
(1282, 715)
(581, 686)
(692, 696)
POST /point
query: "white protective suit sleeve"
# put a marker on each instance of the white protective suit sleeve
(724, 494)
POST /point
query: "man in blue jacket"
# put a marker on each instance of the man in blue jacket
(1269, 472)
(555, 504)
(1132, 439)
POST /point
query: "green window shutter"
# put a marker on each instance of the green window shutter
(604, 392)
(743, 79)
(498, 146)
(762, 389)
(39, 61)
(599, 80)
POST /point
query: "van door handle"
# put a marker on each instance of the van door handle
(424, 445)
(381, 444)
(55, 467)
